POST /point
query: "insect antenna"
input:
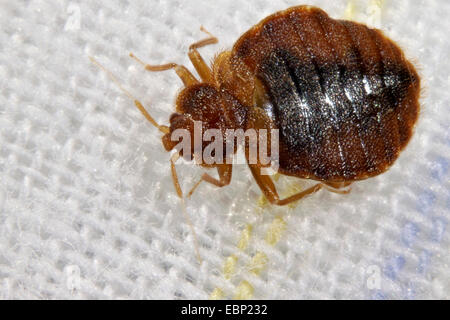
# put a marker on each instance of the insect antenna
(176, 183)
(174, 158)
(138, 104)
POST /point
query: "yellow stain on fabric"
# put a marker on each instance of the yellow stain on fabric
(244, 291)
(245, 237)
(377, 3)
(349, 10)
(374, 12)
(276, 230)
(262, 203)
(273, 235)
(229, 266)
(217, 294)
(258, 263)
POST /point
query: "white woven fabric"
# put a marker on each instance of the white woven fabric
(87, 205)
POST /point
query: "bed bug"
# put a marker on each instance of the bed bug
(342, 95)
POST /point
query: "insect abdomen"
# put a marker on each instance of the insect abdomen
(344, 97)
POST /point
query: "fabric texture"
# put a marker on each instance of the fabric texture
(87, 205)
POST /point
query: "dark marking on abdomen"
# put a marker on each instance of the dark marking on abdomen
(302, 108)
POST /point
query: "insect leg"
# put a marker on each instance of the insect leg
(267, 186)
(175, 181)
(224, 171)
(185, 75)
(202, 68)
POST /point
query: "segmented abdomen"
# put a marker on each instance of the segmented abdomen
(344, 97)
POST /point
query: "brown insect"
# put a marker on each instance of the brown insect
(343, 96)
